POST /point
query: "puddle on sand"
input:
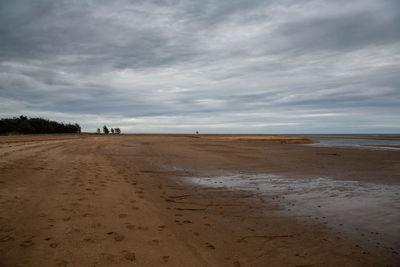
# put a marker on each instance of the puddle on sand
(369, 211)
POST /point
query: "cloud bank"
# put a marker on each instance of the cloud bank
(214, 66)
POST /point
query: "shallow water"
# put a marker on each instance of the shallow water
(356, 143)
(366, 210)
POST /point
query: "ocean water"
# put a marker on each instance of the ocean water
(368, 211)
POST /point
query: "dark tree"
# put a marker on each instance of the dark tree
(78, 127)
(112, 130)
(105, 130)
(98, 131)
(117, 130)
(27, 125)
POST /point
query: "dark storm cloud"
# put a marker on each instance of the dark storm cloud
(213, 65)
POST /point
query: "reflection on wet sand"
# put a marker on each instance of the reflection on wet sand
(367, 210)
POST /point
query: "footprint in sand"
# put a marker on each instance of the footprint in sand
(123, 215)
(130, 256)
(54, 245)
(165, 258)
(6, 238)
(117, 237)
(27, 243)
(210, 246)
(130, 226)
(89, 238)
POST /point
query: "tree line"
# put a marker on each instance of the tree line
(25, 125)
(107, 131)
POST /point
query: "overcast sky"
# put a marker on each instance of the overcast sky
(226, 66)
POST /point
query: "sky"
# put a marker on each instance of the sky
(216, 66)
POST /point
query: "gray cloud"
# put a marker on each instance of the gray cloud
(217, 66)
(347, 31)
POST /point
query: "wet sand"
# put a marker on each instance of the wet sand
(367, 211)
(72, 200)
(369, 137)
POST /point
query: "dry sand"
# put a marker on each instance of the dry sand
(80, 200)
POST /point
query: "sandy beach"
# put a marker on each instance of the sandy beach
(180, 200)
